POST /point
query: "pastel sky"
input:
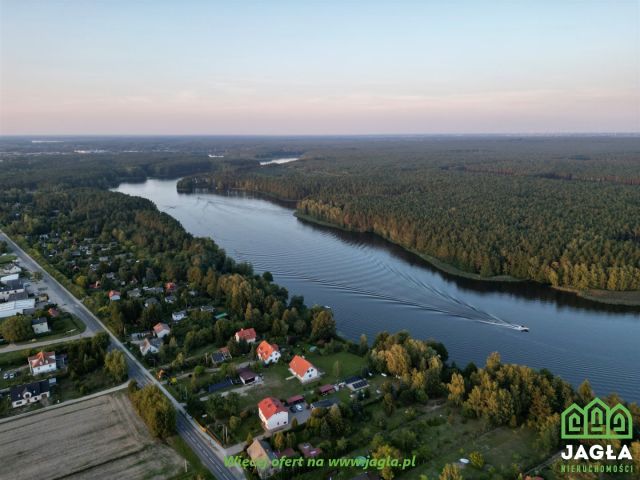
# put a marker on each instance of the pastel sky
(326, 67)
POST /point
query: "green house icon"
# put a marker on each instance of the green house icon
(596, 421)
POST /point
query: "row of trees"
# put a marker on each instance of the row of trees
(532, 211)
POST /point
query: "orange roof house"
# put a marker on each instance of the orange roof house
(267, 352)
(303, 369)
(42, 362)
(272, 413)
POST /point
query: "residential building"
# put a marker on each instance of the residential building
(161, 330)
(114, 295)
(42, 362)
(177, 316)
(272, 413)
(150, 301)
(150, 346)
(53, 312)
(268, 353)
(11, 287)
(15, 307)
(248, 335)
(170, 287)
(246, 375)
(303, 369)
(40, 325)
(263, 457)
(29, 393)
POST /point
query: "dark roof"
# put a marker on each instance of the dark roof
(35, 388)
(353, 379)
(218, 357)
(326, 403)
(326, 388)
(246, 374)
(18, 296)
(220, 385)
(287, 452)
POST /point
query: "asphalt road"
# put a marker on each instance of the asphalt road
(209, 452)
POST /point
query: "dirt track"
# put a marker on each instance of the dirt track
(99, 438)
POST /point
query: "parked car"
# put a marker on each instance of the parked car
(5, 376)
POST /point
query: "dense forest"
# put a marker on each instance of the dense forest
(561, 211)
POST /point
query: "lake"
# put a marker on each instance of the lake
(372, 285)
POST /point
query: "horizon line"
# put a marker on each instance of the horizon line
(289, 135)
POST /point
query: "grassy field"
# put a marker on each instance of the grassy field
(97, 438)
(448, 437)
(4, 259)
(278, 382)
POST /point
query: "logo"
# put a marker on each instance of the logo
(596, 421)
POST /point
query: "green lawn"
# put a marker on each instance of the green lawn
(7, 258)
(448, 438)
(277, 381)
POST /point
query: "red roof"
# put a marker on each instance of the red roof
(170, 287)
(326, 388)
(265, 349)
(246, 334)
(113, 293)
(53, 312)
(299, 365)
(42, 358)
(159, 327)
(270, 406)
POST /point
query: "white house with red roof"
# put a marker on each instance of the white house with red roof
(303, 369)
(246, 334)
(268, 352)
(42, 362)
(161, 330)
(273, 414)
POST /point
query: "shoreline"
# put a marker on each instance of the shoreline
(621, 298)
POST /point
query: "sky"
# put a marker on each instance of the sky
(326, 67)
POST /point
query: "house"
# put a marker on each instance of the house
(11, 287)
(272, 413)
(309, 451)
(161, 330)
(42, 362)
(150, 346)
(326, 389)
(225, 351)
(40, 325)
(268, 353)
(207, 308)
(170, 287)
(177, 316)
(248, 335)
(150, 301)
(15, 307)
(134, 293)
(263, 458)
(171, 299)
(246, 376)
(53, 312)
(303, 369)
(29, 393)
(96, 285)
(218, 357)
(9, 278)
(114, 295)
